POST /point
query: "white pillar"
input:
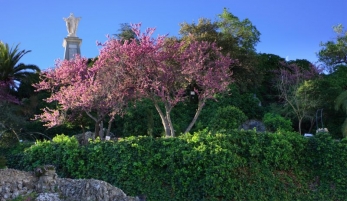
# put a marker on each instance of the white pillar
(72, 46)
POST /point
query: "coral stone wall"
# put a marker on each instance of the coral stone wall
(14, 183)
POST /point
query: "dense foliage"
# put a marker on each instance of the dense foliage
(334, 53)
(203, 166)
(99, 94)
(223, 118)
(275, 122)
(145, 88)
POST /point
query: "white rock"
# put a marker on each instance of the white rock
(48, 197)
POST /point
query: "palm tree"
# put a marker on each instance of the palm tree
(341, 102)
(11, 71)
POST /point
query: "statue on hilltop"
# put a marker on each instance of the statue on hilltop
(71, 24)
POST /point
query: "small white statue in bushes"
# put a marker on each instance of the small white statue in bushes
(322, 130)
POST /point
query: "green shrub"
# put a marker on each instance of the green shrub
(14, 154)
(234, 165)
(274, 122)
(224, 118)
(327, 157)
(59, 152)
(247, 102)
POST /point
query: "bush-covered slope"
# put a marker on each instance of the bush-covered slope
(237, 165)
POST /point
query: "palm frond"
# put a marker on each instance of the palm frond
(10, 68)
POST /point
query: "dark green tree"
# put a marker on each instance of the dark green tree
(244, 33)
(125, 32)
(334, 53)
(236, 37)
(267, 65)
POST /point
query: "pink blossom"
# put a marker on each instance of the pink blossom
(155, 68)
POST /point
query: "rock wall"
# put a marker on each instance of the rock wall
(14, 183)
(90, 189)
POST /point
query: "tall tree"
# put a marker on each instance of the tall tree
(243, 32)
(163, 69)
(334, 53)
(237, 38)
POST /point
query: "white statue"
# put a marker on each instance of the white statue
(71, 24)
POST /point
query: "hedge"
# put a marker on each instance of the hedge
(239, 165)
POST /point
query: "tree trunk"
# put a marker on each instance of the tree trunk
(101, 132)
(164, 121)
(168, 118)
(97, 122)
(300, 121)
(109, 125)
(97, 129)
(170, 124)
(15, 134)
(197, 113)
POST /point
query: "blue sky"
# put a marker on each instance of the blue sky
(291, 29)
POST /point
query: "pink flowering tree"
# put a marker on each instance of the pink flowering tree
(290, 82)
(204, 64)
(162, 69)
(156, 68)
(78, 88)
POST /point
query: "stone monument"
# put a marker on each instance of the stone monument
(72, 43)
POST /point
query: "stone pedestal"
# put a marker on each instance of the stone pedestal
(72, 47)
